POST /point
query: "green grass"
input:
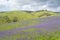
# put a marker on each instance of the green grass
(20, 15)
(25, 16)
(22, 23)
(44, 14)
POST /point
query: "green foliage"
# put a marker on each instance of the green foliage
(15, 19)
(7, 19)
(4, 19)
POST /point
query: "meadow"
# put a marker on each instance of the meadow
(23, 25)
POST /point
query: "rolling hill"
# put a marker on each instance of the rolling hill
(12, 16)
(30, 25)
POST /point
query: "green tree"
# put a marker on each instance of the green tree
(7, 19)
(15, 19)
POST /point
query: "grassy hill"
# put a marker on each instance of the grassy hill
(20, 19)
(13, 19)
(17, 15)
(44, 13)
(13, 16)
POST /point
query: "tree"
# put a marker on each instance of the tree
(7, 19)
(15, 19)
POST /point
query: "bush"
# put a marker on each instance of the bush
(4, 19)
(15, 19)
(7, 19)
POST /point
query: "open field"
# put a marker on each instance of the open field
(30, 26)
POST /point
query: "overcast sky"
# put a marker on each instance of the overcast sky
(31, 5)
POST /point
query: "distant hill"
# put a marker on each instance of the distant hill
(45, 13)
(25, 15)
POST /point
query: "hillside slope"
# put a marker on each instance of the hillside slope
(47, 30)
(14, 16)
(45, 13)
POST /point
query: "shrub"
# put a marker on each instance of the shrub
(7, 19)
(15, 19)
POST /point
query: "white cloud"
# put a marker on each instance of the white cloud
(26, 5)
(12, 4)
(58, 8)
(3, 2)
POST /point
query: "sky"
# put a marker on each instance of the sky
(30, 5)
